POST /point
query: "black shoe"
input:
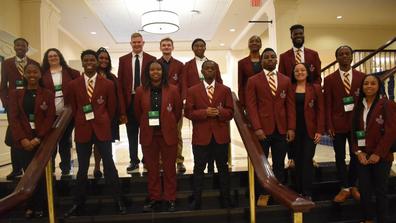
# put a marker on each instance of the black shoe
(180, 168)
(29, 213)
(13, 175)
(171, 206)
(151, 206)
(65, 174)
(132, 168)
(97, 174)
(121, 207)
(75, 210)
(39, 214)
(195, 204)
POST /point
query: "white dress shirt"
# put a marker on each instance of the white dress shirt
(59, 101)
(86, 78)
(133, 68)
(199, 62)
(349, 75)
(366, 110)
(301, 53)
(266, 72)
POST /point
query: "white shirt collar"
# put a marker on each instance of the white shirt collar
(207, 85)
(86, 78)
(140, 54)
(17, 59)
(266, 72)
(343, 72)
(301, 48)
(203, 59)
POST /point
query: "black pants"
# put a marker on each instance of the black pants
(201, 156)
(132, 128)
(346, 177)
(303, 148)
(279, 146)
(36, 202)
(84, 151)
(16, 159)
(64, 148)
(373, 179)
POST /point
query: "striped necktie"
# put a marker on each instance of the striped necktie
(210, 93)
(271, 83)
(298, 56)
(20, 67)
(347, 83)
(90, 89)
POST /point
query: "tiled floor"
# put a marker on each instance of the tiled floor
(238, 154)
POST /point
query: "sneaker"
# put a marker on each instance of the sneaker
(13, 175)
(133, 167)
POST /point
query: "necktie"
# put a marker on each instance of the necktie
(20, 67)
(298, 56)
(347, 83)
(137, 72)
(210, 93)
(271, 83)
(90, 89)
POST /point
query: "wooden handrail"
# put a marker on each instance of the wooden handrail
(263, 170)
(388, 73)
(388, 43)
(34, 172)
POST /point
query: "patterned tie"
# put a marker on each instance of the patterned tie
(347, 83)
(137, 72)
(210, 93)
(298, 56)
(20, 67)
(271, 83)
(90, 89)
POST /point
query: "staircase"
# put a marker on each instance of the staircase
(100, 206)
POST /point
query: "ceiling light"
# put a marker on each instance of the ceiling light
(339, 17)
(232, 30)
(93, 33)
(222, 44)
(160, 21)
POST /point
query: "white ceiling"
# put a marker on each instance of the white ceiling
(115, 20)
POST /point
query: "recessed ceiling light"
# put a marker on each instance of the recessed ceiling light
(232, 30)
(222, 44)
(93, 33)
(339, 17)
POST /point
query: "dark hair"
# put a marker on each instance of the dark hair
(45, 65)
(266, 50)
(107, 70)
(88, 52)
(41, 84)
(147, 82)
(296, 26)
(198, 40)
(21, 39)
(309, 74)
(343, 46)
(208, 61)
(359, 105)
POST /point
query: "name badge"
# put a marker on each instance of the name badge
(31, 121)
(58, 90)
(19, 84)
(154, 118)
(87, 109)
(361, 138)
(348, 103)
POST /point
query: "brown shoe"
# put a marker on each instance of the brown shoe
(262, 201)
(355, 193)
(342, 196)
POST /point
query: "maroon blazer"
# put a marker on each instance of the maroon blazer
(44, 114)
(171, 111)
(175, 71)
(314, 113)
(68, 74)
(337, 119)
(190, 76)
(120, 103)
(125, 76)
(103, 105)
(268, 112)
(9, 76)
(205, 127)
(377, 142)
(245, 70)
(311, 57)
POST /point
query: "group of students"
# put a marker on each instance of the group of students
(287, 109)
(289, 113)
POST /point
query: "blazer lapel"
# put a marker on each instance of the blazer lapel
(217, 92)
(266, 83)
(308, 96)
(21, 94)
(204, 94)
(340, 83)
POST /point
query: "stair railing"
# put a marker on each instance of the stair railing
(41, 160)
(258, 164)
